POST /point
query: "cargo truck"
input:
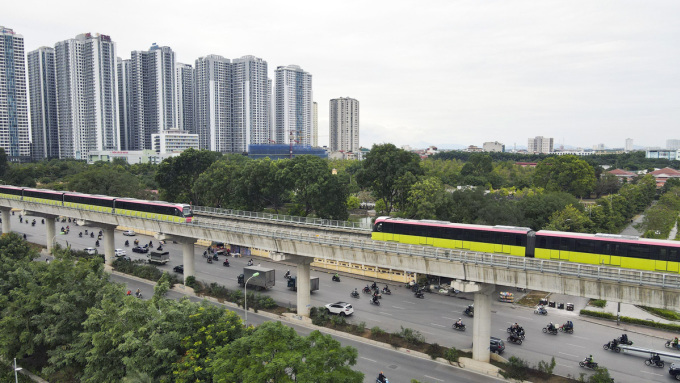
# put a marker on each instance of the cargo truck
(313, 284)
(159, 258)
(265, 280)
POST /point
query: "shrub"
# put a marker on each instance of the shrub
(319, 316)
(452, 354)
(361, 327)
(411, 336)
(435, 351)
(545, 367)
(516, 368)
(338, 321)
(376, 331)
(666, 314)
(598, 303)
(191, 282)
(666, 326)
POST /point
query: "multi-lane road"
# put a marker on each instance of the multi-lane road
(431, 316)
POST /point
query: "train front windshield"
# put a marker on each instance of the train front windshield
(187, 212)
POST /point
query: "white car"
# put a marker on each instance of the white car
(129, 233)
(120, 252)
(341, 308)
(91, 250)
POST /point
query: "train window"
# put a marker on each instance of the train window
(388, 227)
(638, 251)
(379, 226)
(584, 246)
(673, 255)
(662, 254)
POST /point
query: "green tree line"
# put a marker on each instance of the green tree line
(72, 324)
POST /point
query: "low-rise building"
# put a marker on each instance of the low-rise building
(667, 154)
(493, 147)
(662, 175)
(173, 140)
(147, 156)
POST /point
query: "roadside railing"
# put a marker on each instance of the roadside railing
(363, 226)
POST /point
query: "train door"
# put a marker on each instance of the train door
(673, 260)
(615, 251)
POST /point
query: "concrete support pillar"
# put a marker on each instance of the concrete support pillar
(302, 281)
(50, 232)
(481, 325)
(109, 246)
(6, 227)
(188, 257)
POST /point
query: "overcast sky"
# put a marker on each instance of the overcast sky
(425, 72)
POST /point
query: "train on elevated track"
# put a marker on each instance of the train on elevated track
(159, 210)
(597, 249)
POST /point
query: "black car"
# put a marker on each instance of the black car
(674, 370)
(497, 345)
(140, 249)
(178, 269)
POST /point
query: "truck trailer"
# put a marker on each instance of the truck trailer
(265, 280)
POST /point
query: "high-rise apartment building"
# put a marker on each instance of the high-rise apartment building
(13, 100)
(293, 106)
(251, 103)
(124, 116)
(42, 85)
(629, 144)
(673, 144)
(184, 94)
(151, 95)
(540, 144)
(87, 95)
(233, 103)
(344, 125)
(213, 103)
(315, 125)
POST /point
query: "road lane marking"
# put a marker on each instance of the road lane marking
(397, 307)
(370, 360)
(580, 337)
(434, 324)
(411, 303)
(430, 377)
(569, 344)
(564, 365)
(653, 373)
(426, 332)
(564, 353)
(448, 318)
(384, 313)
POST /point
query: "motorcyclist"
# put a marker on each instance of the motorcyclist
(286, 275)
(624, 338)
(569, 325)
(589, 359)
(656, 358)
(375, 299)
(336, 276)
(615, 342)
(541, 309)
(127, 243)
(80, 234)
(675, 342)
(226, 262)
(381, 377)
(386, 288)
(250, 262)
(459, 323)
(374, 285)
(96, 243)
(355, 292)
(551, 327)
(138, 293)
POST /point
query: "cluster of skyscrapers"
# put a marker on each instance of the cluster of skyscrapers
(84, 98)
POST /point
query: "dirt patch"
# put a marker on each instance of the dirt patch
(532, 298)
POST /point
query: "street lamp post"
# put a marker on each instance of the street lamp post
(16, 370)
(245, 296)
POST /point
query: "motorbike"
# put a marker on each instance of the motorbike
(136, 242)
(96, 243)
(127, 243)
(514, 339)
(547, 330)
(250, 263)
(335, 278)
(568, 330)
(519, 331)
(354, 294)
(386, 290)
(159, 248)
(138, 295)
(215, 257)
(91, 235)
(374, 286)
(209, 260)
(377, 294)
(375, 302)
(80, 234)
(612, 346)
(541, 311)
(419, 294)
(469, 312)
(669, 344)
(226, 263)
(625, 340)
(366, 290)
(458, 327)
(587, 364)
(656, 363)
(33, 223)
